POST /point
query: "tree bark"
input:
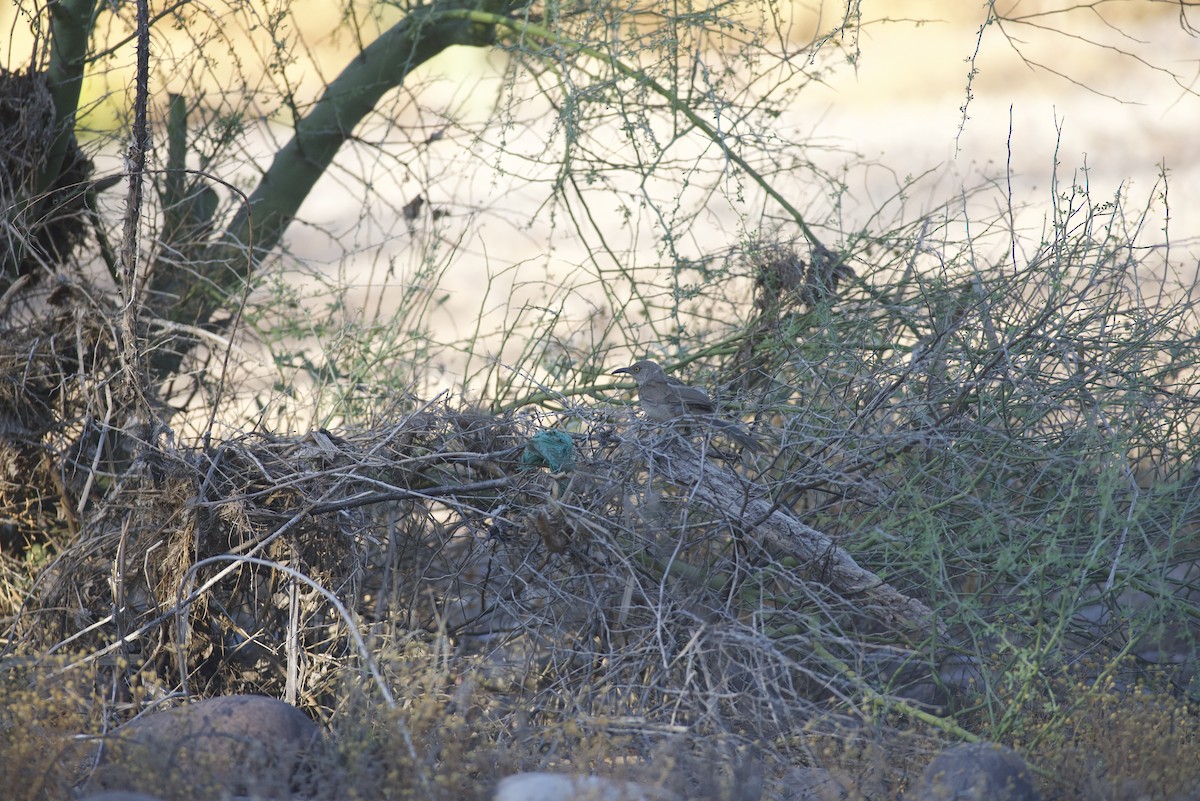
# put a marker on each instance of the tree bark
(721, 488)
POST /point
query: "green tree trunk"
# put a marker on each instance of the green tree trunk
(206, 287)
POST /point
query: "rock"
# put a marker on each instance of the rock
(976, 772)
(574, 787)
(225, 746)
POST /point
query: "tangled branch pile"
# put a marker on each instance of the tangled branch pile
(648, 578)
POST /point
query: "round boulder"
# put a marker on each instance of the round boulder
(976, 772)
(220, 747)
(574, 787)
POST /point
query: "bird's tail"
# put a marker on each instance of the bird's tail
(737, 432)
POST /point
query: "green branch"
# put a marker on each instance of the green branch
(259, 224)
(535, 31)
(71, 23)
(380, 67)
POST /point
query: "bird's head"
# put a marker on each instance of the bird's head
(640, 370)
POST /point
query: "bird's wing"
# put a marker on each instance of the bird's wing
(694, 399)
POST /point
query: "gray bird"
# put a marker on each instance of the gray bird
(666, 399)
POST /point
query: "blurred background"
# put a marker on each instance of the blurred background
(442, 216)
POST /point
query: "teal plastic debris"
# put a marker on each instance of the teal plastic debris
(552, 449)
